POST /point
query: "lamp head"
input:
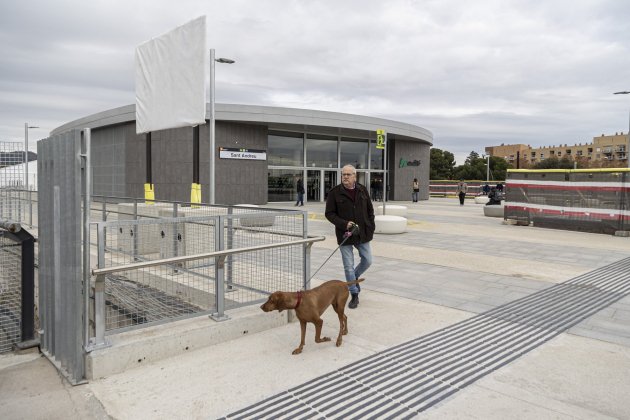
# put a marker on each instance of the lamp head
(224, 60)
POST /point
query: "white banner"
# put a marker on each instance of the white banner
(171, 79)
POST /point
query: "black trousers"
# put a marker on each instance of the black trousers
(462, 196)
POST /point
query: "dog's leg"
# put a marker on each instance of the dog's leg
(343, 326)
(303, 334)
(318, 331)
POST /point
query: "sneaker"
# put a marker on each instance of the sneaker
(354, 302)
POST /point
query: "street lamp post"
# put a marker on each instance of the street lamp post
(26, 127)
(628, 144)
(211, 180)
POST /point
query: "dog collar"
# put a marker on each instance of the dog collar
(299, 299)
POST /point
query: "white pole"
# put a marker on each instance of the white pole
(488, 169)
(26, 155)
(384, 171)
(211, 177)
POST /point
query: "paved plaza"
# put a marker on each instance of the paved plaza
(551, 306)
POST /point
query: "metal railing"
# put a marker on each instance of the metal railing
(221, 283)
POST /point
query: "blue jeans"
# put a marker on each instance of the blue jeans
(347, 256)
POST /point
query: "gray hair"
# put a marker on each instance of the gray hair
(354, 171)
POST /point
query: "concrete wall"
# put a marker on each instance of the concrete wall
(401, 179)
(108, 160)
(238, 181)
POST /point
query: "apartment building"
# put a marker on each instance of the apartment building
(605, 148)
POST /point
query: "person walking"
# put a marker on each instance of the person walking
(300, 192)
(462, 189)
(350, 209)
(416, 190)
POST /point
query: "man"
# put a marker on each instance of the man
(462, 189)
(350, 209)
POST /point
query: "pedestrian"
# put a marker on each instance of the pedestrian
(486, 189)
(462, 189)
(300, 192)
(350, 209)
(416, 190)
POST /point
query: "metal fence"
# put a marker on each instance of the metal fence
(156, 269)
(446, 188)
(591, 200)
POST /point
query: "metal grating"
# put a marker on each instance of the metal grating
(407, 379)
(10, 294)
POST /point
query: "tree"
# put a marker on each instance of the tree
(475, 167)
(565, 163)
(442, 164)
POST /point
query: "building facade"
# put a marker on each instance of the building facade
(260, 153)
(609, 149)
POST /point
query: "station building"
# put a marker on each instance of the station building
(260, 154)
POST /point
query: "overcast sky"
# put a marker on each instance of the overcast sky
(475, 73)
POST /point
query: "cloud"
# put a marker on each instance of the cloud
(478, 74)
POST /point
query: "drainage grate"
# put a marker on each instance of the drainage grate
(409, 378)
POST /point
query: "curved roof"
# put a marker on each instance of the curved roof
(276, 118)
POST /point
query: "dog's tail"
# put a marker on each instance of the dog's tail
(355, 281)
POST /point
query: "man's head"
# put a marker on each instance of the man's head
(348, 176)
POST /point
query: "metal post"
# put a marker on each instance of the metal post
(26, 155)
(211, 177)
(307, 252)
(384, 173)
(219, 271)
(488, 169)
(99, 296)
(87, 209)
(56, 321)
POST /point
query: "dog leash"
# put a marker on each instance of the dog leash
(353, 229)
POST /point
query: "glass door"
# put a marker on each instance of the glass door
(376, 186)
(330, 180)
(313, 185)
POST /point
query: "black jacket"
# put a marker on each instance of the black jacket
(340, 209)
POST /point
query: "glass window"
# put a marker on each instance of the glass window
(376, 162)
(285, 149)
(354, 152)
(321, 151)
(282, 184)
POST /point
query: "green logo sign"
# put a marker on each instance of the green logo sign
(404, 163)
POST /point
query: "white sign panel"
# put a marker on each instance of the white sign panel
(226, 153)
(170, 79)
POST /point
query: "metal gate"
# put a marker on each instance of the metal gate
(61, 289)
(17, 309)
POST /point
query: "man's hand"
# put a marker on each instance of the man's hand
(350, 225)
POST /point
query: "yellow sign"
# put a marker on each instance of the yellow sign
(381, 138)
(195, 195)
(149, 194)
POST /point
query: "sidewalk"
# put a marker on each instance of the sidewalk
(452, 264)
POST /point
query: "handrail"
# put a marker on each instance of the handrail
(12, 227)
(174, 260)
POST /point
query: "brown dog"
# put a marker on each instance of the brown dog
(309, 305)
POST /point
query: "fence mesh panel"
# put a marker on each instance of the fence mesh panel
(585, 200)
(10, 293)
(171, 291)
